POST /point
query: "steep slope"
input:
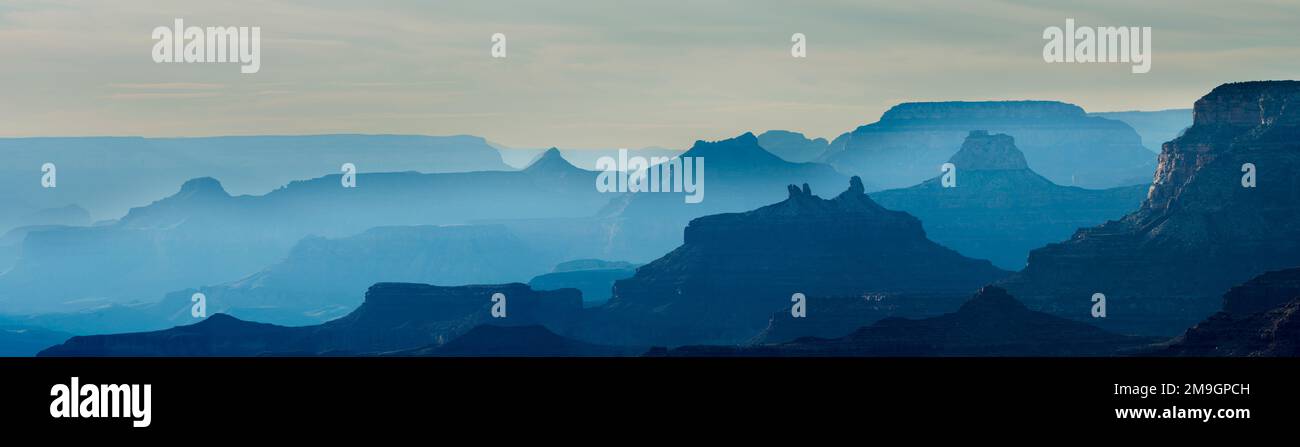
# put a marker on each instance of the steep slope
(394, 317)
(1199, 232)
(992, 323)
(733, 270)
(1000, 209)
(1059, 140)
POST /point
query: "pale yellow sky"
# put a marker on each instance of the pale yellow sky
(600, 73)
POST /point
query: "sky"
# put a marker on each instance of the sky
(601, 73)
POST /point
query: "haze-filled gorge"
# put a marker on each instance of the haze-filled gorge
(951, 228)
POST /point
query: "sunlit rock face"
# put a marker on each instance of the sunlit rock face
(1202, 228)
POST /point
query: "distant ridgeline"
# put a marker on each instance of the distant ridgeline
(109, 175)
(202, 235)
(1059, 141)
(758, 267)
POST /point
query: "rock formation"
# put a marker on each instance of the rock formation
(1260, 318)
(1059, 141)
(1000, 209)
(734, 270)
(1200, 231)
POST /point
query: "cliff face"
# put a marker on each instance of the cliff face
(734, 270)
(1199, 231)
(1001, 209)
(394, 317)
(992, 323)
(1059, 141)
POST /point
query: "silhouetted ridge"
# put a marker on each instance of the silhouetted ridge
(394, 317)
(1260, 318)
(734, 270)
(992, 323)
(743, 149)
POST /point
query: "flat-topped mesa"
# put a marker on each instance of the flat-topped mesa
(984, 152)
(1010, 110)
(1059, 141)
(206, 186)
(1250, 104)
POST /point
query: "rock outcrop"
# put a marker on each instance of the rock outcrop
(516, 341)
(734, 270)
(1000, 209)
(1201, 229)
(1059, 141)
(1260, 318)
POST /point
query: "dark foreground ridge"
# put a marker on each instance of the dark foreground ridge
(991, 324)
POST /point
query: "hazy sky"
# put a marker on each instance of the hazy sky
(600, 73)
